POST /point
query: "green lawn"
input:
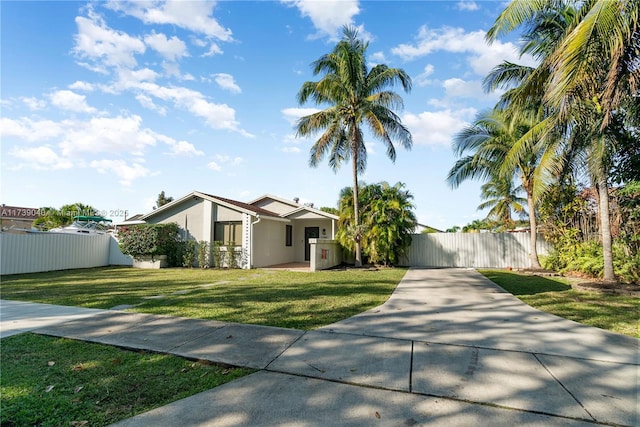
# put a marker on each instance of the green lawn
(617, 313)
(276, 298)
(50, 381)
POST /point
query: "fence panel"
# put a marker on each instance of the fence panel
(116, 257)
(476, 250)
(31, 253)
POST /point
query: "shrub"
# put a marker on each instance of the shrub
(188, 253)
(216, 255)
(203, 253)
(149, 240)
(232, 255)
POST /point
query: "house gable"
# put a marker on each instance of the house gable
(275, 204)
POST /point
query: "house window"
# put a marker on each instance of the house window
(288, 235)
(228, 231)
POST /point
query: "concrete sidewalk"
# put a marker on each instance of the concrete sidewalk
(17, 316)
(449, 348)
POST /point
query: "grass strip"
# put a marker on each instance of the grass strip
(616, 313)
(50, 381)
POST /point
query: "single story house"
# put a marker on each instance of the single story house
(268, 230)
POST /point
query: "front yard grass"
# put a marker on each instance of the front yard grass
(290, 299)
(616, 313)
(50, 381)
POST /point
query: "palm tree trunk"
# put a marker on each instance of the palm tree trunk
(356, 211)
(533, 250)
(605, 227)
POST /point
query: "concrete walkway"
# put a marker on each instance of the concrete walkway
(449, 348)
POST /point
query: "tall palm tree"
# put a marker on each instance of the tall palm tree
(356, 96)
(591, 70)
(483, 148)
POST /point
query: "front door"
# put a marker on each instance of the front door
(309, 233)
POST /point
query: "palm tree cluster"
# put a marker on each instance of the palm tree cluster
(386, 219)
(568, 114)
(356, 95)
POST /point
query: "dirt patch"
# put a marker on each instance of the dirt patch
(609, 287)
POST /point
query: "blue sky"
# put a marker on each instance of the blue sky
(109, 103)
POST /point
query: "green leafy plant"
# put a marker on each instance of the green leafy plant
(386, 221)
(188, 253)
(149, 240)
(232, 255)
(203, 254)
(216, 256)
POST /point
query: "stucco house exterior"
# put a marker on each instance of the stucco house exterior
(268, 230)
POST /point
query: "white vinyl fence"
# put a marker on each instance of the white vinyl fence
(476, 250)
(35, 252)
(31, 253)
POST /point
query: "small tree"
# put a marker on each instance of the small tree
(163, 200)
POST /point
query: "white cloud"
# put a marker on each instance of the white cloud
(214, 49)
(196, 16)
(221, 161)
(327, 16)
(378, 58)
(214, 166)
(148, 103)
(30, 130)
(80, 85)
(293, 114)
(482, 57)
(226, 82)
(131, 78)
(437, 127)
(467, 5)
(126, 173)
(184, 148)
(423, 79)
(171, 49)
(115, 135)
(33, 103)
(290, 149)
(41, 158)
(106, 47)
(217, 116)
(292, 143)
(70, 101)
(458, 88)
(179, 148)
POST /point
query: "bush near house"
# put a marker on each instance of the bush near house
(152, 240)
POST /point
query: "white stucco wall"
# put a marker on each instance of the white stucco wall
(274, 206)
(298, 234)
(188, 215)
(269, 243)
(325, 253)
